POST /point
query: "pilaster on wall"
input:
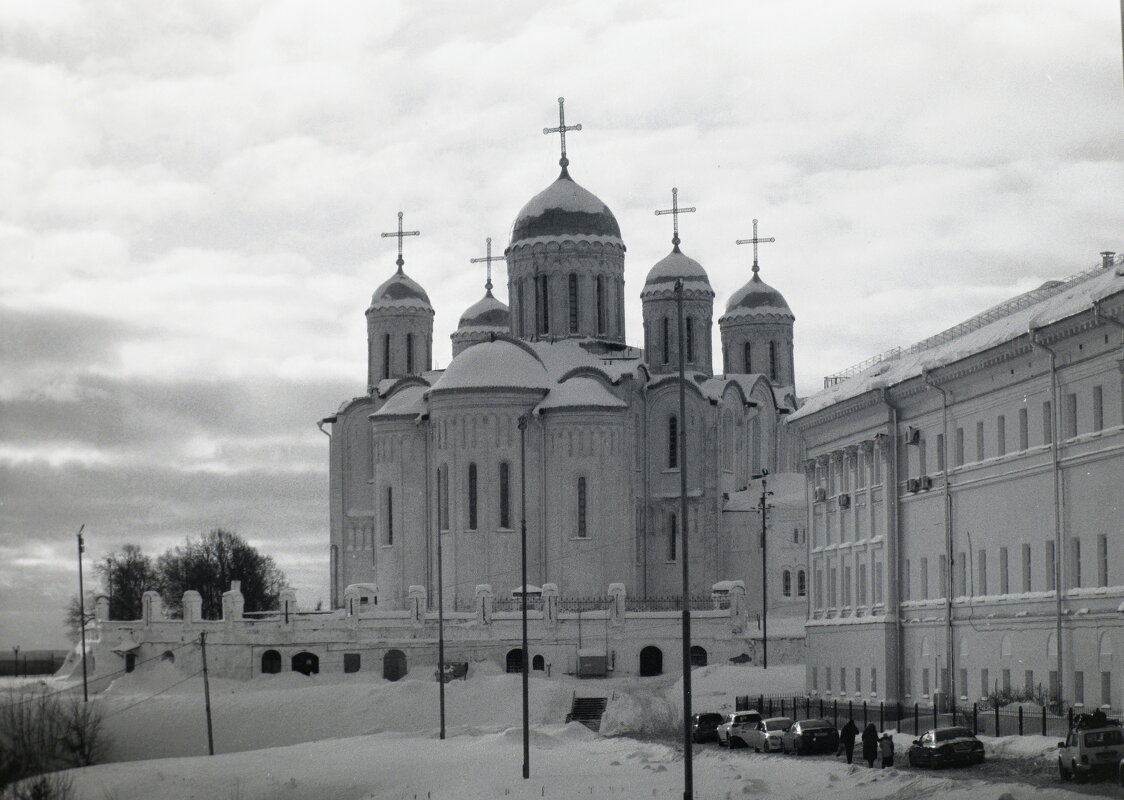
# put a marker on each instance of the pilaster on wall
(418, 605)
(616, 611)
(233, 603)
(152, 607)
(192, 608)
(484, 603)
(550, 604)
(101, 608)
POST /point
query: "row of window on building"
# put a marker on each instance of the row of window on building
(830, 680)
(409, 352)
(769, 359)
(841, 595)
(974, 580)
(542, 303)
(1069, 429)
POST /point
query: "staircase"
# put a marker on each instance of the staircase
(587, 711)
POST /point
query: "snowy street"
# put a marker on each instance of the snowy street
(358, 737)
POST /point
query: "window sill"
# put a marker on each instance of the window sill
(580, 538)
(386, 546)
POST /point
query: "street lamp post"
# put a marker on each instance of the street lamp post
(763, 509)
(688, 760)
(82, 615)
(523, 591)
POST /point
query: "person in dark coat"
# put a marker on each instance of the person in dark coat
(870, 744)
(886, 748)
(847, 739)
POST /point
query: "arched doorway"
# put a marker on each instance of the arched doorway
(270, 662)
(651, 661)
(306, 663)
(515, 660)
(698, 656)
(393, 665)
(538, 663)
(130, 661)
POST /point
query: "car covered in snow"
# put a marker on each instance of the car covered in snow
(766, 735)
(743, 721)
(942, 747)
(810, 736)
(704, 726)
(1090, 751)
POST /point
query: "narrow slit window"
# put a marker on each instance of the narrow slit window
(573, 303)
(389, 515)
(672, 533)
(582, 531)
(673, 442)
(505, 495)
(409, 354)
(472, 497)
(666, 354)
(747, 358)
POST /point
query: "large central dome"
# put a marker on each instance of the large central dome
(565, 210)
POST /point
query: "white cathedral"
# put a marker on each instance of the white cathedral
(428, 454)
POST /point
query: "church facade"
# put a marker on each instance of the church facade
(545, 404)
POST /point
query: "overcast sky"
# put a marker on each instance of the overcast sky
(191, 196)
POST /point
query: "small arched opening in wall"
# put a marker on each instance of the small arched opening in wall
(270, 662)
(306, 663)
(698, 656)
(514, 660)
(130, 661)
(538, 663)
(168, 655)
(394, 665)
(651, 661)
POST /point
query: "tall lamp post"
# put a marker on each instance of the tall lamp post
(523, 591)
(82, 614)
(688, 763)
(763, 509)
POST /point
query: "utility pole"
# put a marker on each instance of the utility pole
(523, 591)
(16, 650)
(688, 761)
(441, 608)
(109, 581)
(82, 615)
(763, 509)
(207, 695)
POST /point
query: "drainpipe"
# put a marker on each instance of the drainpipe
(1059, 532)
(892, 542)
(950, 641)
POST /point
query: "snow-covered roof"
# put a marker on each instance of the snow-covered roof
(487, 313)
(1079, 296)
(565, 210)
(580, 392)
(757, 299)
(497, 364)
(672, 267)
(400, 292)
(407, 401)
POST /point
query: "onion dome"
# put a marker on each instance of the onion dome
(757, 299)
(495, 364)
(488, 313)
(564, 210)
(400, 293)
(671, 268)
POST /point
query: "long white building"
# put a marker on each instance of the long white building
(965, 519)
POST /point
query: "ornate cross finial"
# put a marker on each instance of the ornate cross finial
(488, 259)
(400, 233)
(675, 211)
(561, 129)
(754, 241)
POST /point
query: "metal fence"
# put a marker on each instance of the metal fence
(513, 604)
(913, 718)
(675, 603)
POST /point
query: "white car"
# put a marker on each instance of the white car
(766, 736)
(740, 721)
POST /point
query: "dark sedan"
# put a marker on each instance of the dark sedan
(940, 747)
(704, 727)
(810, 736)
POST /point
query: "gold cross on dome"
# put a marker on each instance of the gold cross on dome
(400, 234)
(675, 211)
(754, 241)
(488, 259)
(561, 129)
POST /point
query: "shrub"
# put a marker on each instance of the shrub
(42, 732)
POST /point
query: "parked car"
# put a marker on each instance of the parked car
(810, 736)
(940, 747)
(1090, 751)
(766, 735)
(704, 726)
(739, 719)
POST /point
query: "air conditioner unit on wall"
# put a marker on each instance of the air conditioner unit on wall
(913, 435)
(926, 482)
(844, 501)
(913, 485)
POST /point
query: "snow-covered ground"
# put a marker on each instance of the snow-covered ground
(351, 737)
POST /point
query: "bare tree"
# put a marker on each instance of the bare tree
(209, 564)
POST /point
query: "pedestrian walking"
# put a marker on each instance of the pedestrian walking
(870, 744)
(886, 748)
(847, 739)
